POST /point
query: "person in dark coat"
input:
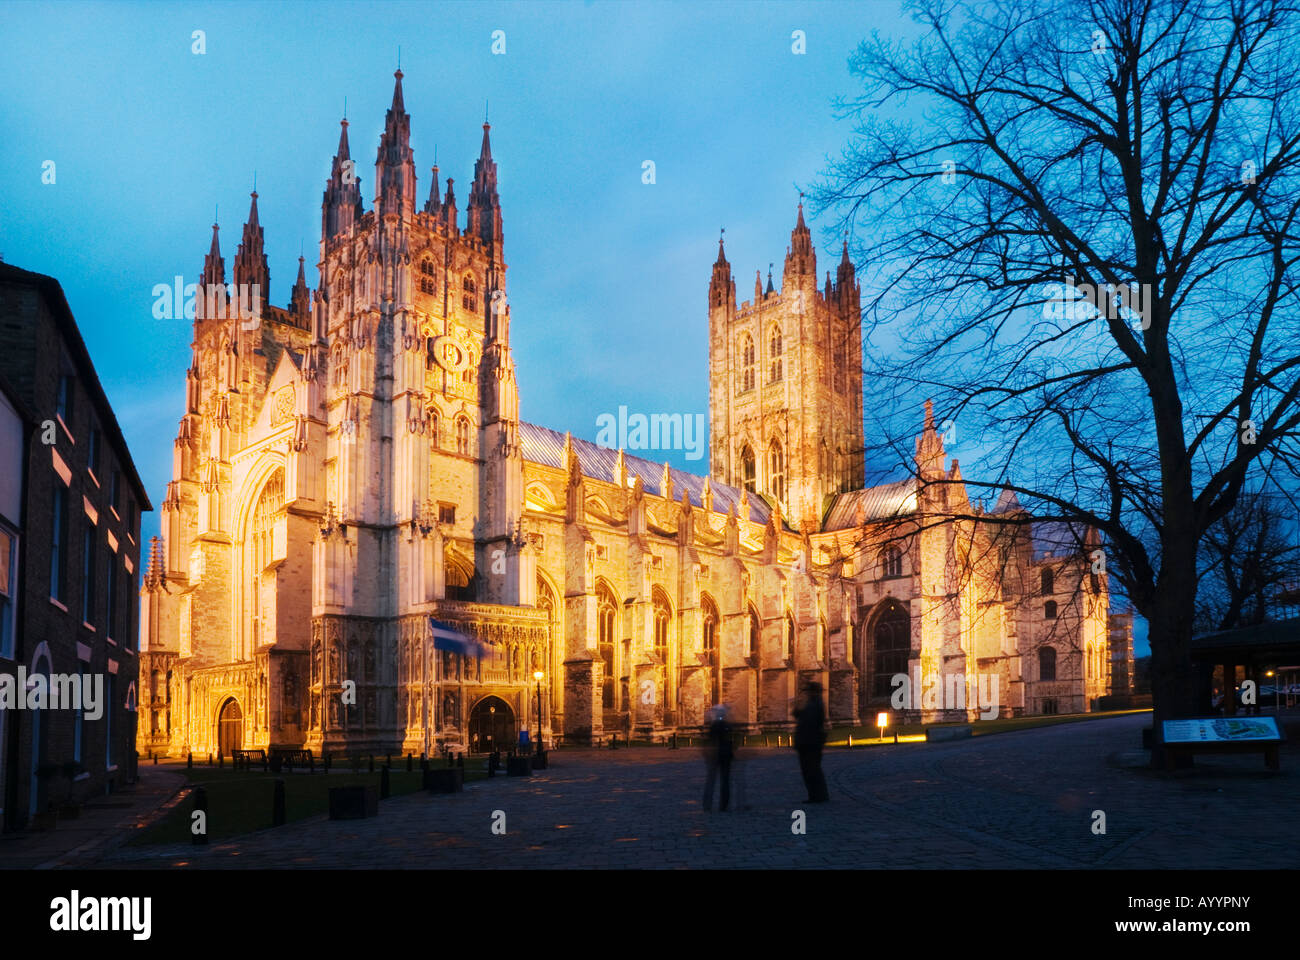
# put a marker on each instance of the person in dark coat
(809, 737)
(718, 755)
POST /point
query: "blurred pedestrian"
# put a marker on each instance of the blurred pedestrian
(809, 737)
(718, 753)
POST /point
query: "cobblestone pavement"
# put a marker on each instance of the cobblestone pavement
(1013, 800)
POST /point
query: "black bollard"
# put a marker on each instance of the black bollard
(200, 803)
(372, 763)
(221, 760)
(189, 760)
(327, 762)
(388, 760)
(460, 761)
(209, 758)
(424, 763)
(277, 804)
(408, 763)
(383, 784)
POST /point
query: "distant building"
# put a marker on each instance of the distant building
(70, 503)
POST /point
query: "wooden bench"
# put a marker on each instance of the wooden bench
(292, 758)
(244, 759)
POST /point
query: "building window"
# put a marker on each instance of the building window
(110, 701)
(1048, 582)
(59, 544)
(433, 428)
(63, 402)
(776, 471)
(470, 371)
(606, 608)
(752, 641)
(8, 591)
(462, 436)
(748, 471)
(774, 355)
(892, 561)
(446, 513)
(1049, 610)
(892, 639)
(1050, 707)
(1046, 663)
(709, 642)
(837, 362)
(110, 624)
(427, 284)
(469, 289)
(92, 454)
(788, 651)
(747, 364)
(663, 617)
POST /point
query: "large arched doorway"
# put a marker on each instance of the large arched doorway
(886, 644)
(230, 728)
(491, 726)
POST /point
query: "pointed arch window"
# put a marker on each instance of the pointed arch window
(462, 436)
(1046, 663)
(752, 640)
(709, 646)
(606, 610)
(747, 364)
(469, 292)
(788, 650)
(663, 619)
(1049, 610)
(748, 470)
(776, 471)
(433, 428)
(837, 362)
(1048, 582)
(470, 371)
(891, 560)
(774, 352)
(427, 277)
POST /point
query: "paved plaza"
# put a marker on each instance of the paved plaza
(1012, 800)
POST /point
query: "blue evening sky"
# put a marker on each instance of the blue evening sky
(607, 277)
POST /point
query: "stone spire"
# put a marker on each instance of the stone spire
(929, 448)
(449, 209)
(214, 268)
(801, 259)
(484, 204)
(300, 298)
(722, 289)
(434, 204)
(250, 260)
(341, 205)
(395, 164)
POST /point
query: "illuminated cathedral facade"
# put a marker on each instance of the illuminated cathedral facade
(354, 464)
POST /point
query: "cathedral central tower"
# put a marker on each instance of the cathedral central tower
(785, 383)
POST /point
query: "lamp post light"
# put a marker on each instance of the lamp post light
(882, 721)
(537, 675)
(492, 728)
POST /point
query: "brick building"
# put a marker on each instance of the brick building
(354, 464)
(73, 556)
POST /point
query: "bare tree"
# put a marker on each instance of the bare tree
(1247, 559)
(1080, 238)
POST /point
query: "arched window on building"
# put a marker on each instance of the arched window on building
(774, 354)
(462, 435)
(891, 561)
(891, 640)
(259, 553)
(471, 370)
(748, 471)
(752, 640)
(747, 363)
(1046, 663)
(788, 640)
(1048, 582)
(1049, 610)
(837, 361)
(469, 293)
(663, 617)
(710, 646)
(433, 428)
(606, 611)
(776, 471)
(427, 275)
(462, 583)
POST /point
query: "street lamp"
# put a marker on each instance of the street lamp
(882, 721)
(537, 675)
(492, 728)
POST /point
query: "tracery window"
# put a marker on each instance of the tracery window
(774, 355)
(747, 364)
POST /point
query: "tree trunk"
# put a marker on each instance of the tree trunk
(1173, 678)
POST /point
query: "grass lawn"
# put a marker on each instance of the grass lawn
(240, 801)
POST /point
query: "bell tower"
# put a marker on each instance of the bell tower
(785, 382)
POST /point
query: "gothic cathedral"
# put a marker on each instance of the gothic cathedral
(353, 465)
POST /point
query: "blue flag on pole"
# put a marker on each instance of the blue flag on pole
(447, 637)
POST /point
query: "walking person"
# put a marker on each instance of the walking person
(717, 754)
(809, 737)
